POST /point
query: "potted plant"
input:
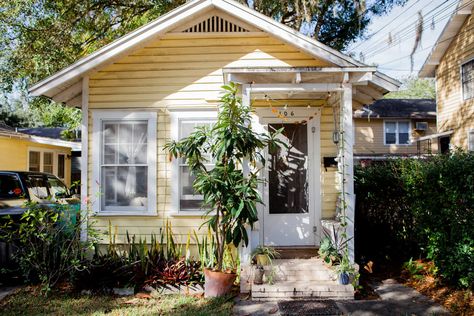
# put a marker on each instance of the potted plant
(230, 195)
(263, 256)
(328, 252)
(344, 271)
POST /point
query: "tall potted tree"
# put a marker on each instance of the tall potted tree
(230, 195)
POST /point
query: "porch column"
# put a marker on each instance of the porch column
(245, 253)
(84, 156)
(347, 161)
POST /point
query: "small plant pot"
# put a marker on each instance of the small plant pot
(344, 278)
(217, 283)
(262, 260)
(258, 275)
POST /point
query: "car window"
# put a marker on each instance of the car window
(57, 187)
(37, 187)
(10, 187)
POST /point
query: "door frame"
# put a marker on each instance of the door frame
(265, 116)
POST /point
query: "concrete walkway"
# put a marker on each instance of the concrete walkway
(395, 299)
(7, 290)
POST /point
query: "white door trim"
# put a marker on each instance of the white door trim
(266, 116)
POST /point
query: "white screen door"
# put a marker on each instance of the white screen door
(291, 192)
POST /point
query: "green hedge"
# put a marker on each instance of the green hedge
(419, 207)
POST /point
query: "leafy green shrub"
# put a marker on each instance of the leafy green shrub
(49, 249)
(412, 207)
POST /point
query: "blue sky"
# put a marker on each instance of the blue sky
(400, 23)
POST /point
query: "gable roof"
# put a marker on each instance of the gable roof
(449, 33)
(399, 108)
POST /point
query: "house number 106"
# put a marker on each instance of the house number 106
(285, 113)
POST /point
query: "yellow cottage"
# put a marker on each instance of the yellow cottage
(160, 81)
(23, 152)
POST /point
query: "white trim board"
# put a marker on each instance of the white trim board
(98, 116)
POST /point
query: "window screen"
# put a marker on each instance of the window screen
(34, 161)
(287, 179)
(390, 133)
(467, 78)
(48, 162)
(124, 168)
(189, 199)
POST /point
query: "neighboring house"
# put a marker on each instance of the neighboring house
(24, 152)
(57, 133)
(452, 63)
(160, 81)
(393, 127)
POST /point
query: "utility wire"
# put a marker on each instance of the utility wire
(370, 36)
(411, 31)
(427, 19)
(407, 35)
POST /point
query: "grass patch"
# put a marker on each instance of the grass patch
(25, 302)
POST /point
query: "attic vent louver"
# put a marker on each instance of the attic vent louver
(215, 24)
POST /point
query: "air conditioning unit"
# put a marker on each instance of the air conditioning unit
(421, 126)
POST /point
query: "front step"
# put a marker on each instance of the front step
(301, 289)
(301, 278)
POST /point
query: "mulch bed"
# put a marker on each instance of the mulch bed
(304, 307)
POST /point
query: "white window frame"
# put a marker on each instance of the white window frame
(460, 79)
(397, 142)
(55, 159)
(470, 139)
(98, 117)
(176, 119)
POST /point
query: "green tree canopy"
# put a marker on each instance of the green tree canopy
(414, 88)
(40, 37)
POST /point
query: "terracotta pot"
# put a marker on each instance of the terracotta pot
(217, 283)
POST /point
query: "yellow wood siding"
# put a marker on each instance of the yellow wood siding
(184, 70)
(369, 138)
(453, 112)
(14, 155)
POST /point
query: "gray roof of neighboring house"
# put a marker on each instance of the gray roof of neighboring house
(399, 108)
(50, 132)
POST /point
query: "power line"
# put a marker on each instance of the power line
(391, 21)
(408, 35)
(411, 28)
(409, 32)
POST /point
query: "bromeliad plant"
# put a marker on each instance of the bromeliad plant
(230, 195)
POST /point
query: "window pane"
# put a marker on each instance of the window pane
(468, 80)
(403, 138)
(288, 187)
(124, 186)
(390, 127)
(61, 166)
(10, 187)
(390, 138)
(37, 187)
(403, 127)
(189, 198)
(57, 187)
(34, 161)
(48, 162)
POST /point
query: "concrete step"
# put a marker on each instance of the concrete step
(300, 289)
(280, 274)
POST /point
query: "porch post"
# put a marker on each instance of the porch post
(246, 252)
(84, 157)
(347, 159)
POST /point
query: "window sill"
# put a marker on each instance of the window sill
(124, 213)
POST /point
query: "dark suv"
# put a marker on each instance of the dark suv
(18, 187)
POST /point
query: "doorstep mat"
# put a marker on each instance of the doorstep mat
(308, 307)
